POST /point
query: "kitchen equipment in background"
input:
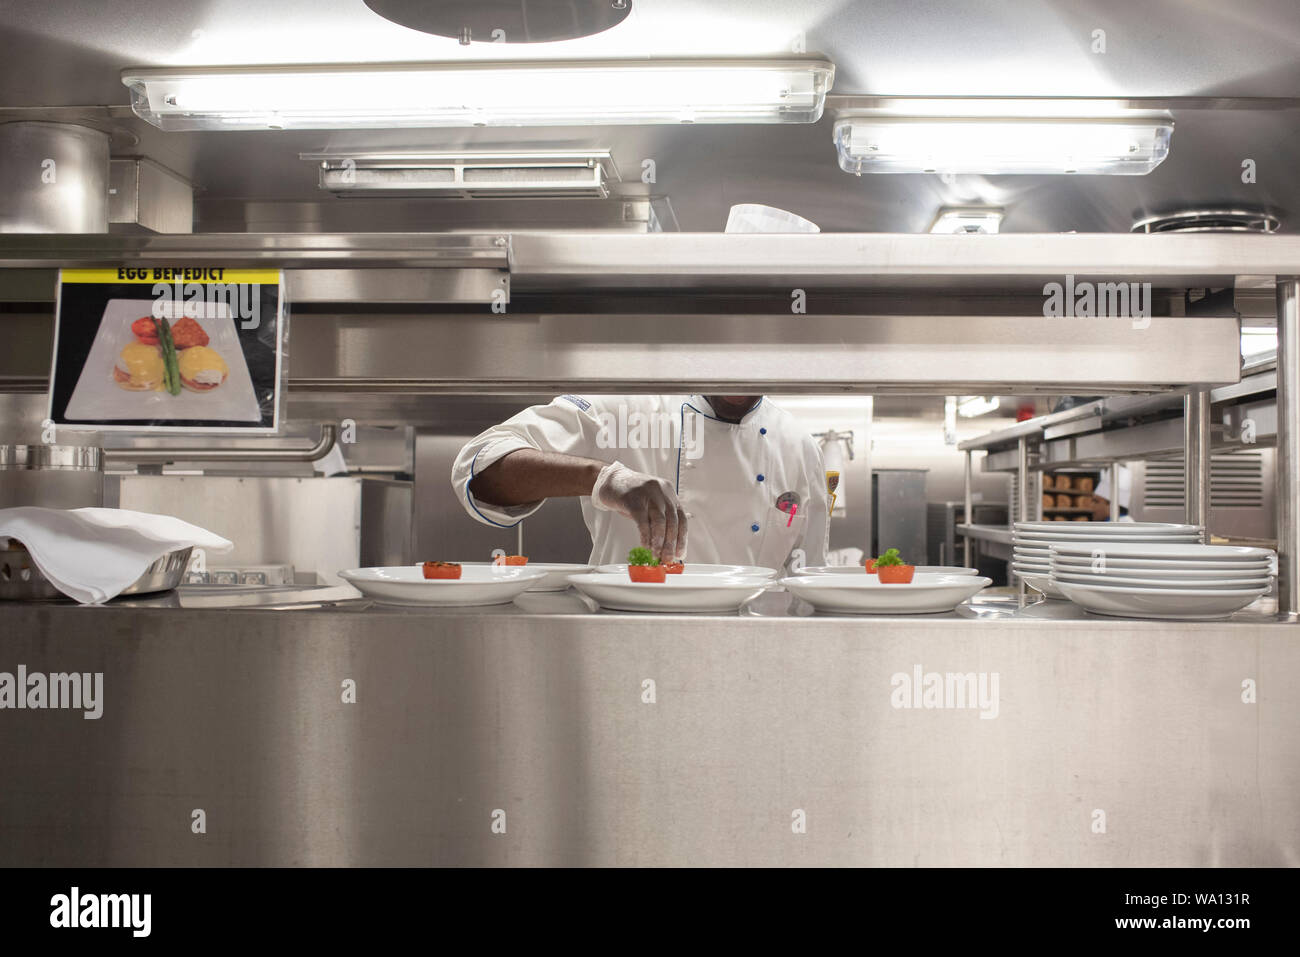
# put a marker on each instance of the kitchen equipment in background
(834, 447)
(143, 193)
(21, 580)
(832, 486)
(52, 476)
(505, 21)
(899, 511)
(478, 585)
(468, 174)
(281, 574)
(698, 594)
(1033, 541)
(94, 554)
(278, 519)
(867, 595)
(944, 545)
(55, 178)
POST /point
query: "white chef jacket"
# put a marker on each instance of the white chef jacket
(728, 476)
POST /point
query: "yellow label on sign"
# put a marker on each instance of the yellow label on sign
(172, 274)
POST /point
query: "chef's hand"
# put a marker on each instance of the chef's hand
(648, 501)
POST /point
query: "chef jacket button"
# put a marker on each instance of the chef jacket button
(760, 476)
(753, 528)
(762, 431)
(688, 514)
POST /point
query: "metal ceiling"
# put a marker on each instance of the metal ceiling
(60, 54)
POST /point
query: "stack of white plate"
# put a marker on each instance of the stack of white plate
(1154, 580)
(1031, 558)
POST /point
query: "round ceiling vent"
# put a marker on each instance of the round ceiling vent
(1209, 221)
(505, 21)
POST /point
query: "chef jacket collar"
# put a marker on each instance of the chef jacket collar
(703, 406)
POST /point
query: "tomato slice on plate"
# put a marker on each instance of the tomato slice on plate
(146, 330)
(441, 570)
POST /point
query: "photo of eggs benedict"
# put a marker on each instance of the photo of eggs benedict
(202, 369)
(139, 368)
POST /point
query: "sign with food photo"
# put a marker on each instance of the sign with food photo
(192, 349)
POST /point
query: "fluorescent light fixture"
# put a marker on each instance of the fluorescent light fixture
(973, 405)
(547, 174)
(969, 219)
(992, 145)
(483, 93)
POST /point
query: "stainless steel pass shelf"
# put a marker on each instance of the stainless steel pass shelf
(992, 605)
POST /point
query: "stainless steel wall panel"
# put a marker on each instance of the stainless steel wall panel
(663, 352)
(458, 715)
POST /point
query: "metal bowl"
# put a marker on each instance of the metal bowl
(21, 580)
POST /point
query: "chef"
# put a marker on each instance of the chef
(1101, 498)
(735, 472)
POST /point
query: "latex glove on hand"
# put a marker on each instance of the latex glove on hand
(648, 501)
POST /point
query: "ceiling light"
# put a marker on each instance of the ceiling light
(483, 93)
(972, 405)
(992, 145)
(970, 219)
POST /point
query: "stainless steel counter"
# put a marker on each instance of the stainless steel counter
(639, 739)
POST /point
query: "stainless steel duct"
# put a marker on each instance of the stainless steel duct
(55, 178)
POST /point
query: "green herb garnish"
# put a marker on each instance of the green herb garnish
(642, 556)
(891, 557)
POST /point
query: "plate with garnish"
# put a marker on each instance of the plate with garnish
(446, 584)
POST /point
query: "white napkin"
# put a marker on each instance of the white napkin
(91, 554)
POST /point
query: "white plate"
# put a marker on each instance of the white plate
(1178, 575)
(860, 570)
(1033, 555)
(477, 585)
(1238, 553)
(1177, 605)
(97, 398)
(1042, 541)
(725, 571)
(1109, 528)
(1041, 582)
(1162, 565)
(557, 573)
(1195, 584)
(926, 594)
(701, 594)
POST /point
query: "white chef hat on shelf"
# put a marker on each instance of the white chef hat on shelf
(756, 218)
(1125, 486)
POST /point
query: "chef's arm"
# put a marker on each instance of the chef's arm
(525, 476)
